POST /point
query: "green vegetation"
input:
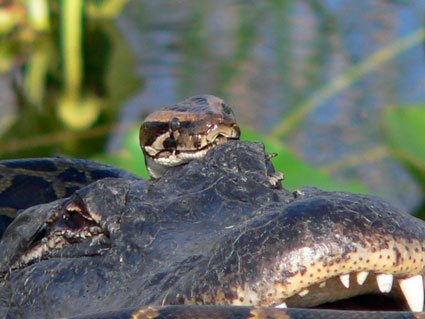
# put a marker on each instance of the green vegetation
(297, 171)
(405, 130)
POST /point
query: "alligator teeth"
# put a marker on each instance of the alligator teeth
(385, 282)
(303, 292)
(413, 291)
(345, 279)
(282, 305)
(51, 244)
(361, 277)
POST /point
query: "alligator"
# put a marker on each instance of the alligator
(214, 238)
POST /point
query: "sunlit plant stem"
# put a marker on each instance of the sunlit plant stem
(38, 14)
(71, 27)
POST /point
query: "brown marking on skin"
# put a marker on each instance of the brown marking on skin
(193, 127)
(216, 104)
(61, 176)
(201, 117)
(191, 109)
(165, 116)
(203, 109)
(363, 259)
(148, 312)
(262, 313)
(179, 133)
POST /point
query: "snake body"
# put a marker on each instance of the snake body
(28, 182)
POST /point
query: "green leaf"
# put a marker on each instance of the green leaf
(129, 158)
(405, 130)
(297, 172)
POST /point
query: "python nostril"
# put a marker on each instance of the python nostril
(170, 143)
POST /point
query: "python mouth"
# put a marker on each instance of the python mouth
(72, 228)
(181, 155)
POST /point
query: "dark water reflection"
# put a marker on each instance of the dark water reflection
(266, 58)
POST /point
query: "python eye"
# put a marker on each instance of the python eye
(170, 143)
(174, 124)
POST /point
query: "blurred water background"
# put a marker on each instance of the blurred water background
(335, 87)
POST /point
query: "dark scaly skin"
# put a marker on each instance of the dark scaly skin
(199, 234)
(29, 182)
(226, 312)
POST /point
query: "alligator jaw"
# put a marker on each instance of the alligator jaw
(315, 251)
(57, 226)
(339, 268)
(334, 289)
(328, 289)
(365, 269)
(73, 225)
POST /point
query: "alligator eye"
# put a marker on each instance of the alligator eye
(174, 124)
(74, 220)
(170, 143)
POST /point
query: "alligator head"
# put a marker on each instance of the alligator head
(211, 232)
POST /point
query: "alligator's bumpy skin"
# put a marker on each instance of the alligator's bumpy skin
(244, 312)
(211, 232)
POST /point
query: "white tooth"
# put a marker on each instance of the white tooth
(51, 244)
(361, 277)
(282, 305)
(413, 291)
(304, 292)
(322, 284)
(345, 279)
(385, 282)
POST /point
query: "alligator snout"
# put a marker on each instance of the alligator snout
(321, 248)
